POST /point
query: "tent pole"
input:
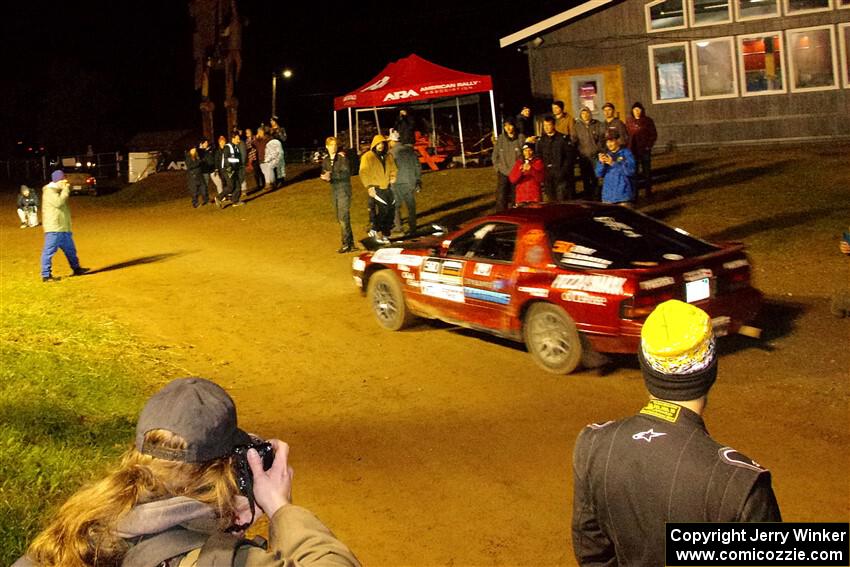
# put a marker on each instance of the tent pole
(493, 111)
(357, 129)
(351, 132)
(433, 127)
(335, 125)
(377, 122)
(460, 131)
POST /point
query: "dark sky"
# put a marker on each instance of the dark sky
(102, 70)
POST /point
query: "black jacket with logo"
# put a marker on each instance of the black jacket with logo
(633, 475)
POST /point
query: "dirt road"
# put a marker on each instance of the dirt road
(438, 446)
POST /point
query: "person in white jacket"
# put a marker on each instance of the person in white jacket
(273, 166)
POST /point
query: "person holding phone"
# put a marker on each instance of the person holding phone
(527, 175)
(616, 168)
(184, 492)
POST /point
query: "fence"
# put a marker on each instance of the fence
(107, 165)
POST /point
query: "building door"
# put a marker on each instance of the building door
(591, 87)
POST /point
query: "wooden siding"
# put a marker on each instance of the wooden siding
(617, 36)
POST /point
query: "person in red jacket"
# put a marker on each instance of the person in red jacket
(528, 174)
(642, 136)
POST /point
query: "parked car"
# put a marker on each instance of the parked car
(81, 182)
(566, 279)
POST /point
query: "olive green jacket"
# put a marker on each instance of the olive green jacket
(55, 212)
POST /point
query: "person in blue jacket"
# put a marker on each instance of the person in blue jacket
(616, 168)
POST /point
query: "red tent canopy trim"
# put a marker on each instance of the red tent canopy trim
(413, 79)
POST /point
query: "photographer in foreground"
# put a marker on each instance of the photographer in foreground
(184, 495)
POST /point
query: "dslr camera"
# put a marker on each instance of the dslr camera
(244, 478)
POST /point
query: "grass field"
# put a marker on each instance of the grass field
(70, 390)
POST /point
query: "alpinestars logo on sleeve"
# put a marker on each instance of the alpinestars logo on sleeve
(647, 435)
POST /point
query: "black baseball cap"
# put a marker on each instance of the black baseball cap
(197, 410)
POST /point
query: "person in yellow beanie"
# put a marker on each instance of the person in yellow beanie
(633, 475)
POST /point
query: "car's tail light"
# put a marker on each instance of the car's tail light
(640, 306)
(91, 181)
(736, 276)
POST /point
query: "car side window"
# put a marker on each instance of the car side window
(490, 241)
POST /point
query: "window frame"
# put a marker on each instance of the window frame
(842, 43)
(730, 41)
(740, 18)
(786, 9)
(648, 18)
(790, 58)
(742, 70)
(476, 243)
(692, 15)
(840, 6)
(688, 73)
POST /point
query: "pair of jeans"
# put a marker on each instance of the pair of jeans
(590, 184)
(198, 189)
(54, 241)
(237, 177)
(341, 195)
(384, 211)
(504, 192)
(405, 193)
(643, 173)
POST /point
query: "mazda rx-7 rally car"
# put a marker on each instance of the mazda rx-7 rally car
(566, 279)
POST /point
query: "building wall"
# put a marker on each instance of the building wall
(617, 36)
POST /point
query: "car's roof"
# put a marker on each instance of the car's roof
(551, 211)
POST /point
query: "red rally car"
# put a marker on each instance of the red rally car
(566, 279)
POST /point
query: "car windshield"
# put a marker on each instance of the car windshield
(618, 238)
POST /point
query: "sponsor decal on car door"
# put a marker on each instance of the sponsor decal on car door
(487, 288)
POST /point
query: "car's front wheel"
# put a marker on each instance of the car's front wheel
(387, 300)
(552, 338)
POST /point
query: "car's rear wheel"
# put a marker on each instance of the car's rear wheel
(552, 338)
(387, 300)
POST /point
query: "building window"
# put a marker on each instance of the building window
(794, 7)
(844, 3)
(760, 64)
(757, 9)
(710, 12)
(844, 33)
(811, 58)
(670, 64)
(715, 75)
(663, 15)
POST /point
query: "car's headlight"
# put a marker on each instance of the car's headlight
(358, 265)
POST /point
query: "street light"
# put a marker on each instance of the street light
(286, 74)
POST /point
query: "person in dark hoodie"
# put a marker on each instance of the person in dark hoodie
(185, 493)
(377, 172)
(405, 127)
(642, 136)
(27, 207)
(408, 182)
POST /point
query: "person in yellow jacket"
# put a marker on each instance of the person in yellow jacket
(184, 495)
(377, 172)
(56, 220)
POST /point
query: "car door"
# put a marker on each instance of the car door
(487, 252)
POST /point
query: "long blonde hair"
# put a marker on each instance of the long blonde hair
(82, 533)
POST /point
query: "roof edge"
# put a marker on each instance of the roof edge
(551, 22)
